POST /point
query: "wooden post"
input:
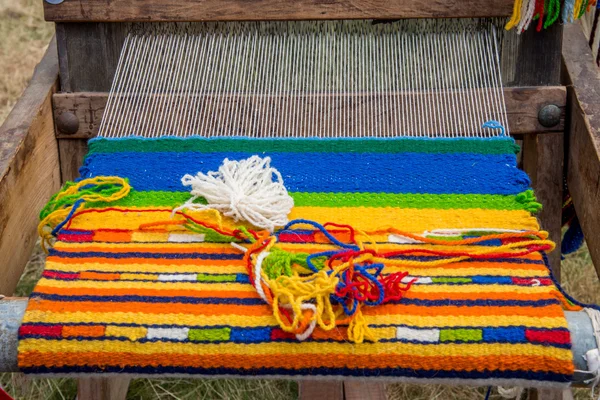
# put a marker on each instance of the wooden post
(543, 160)
(102, 388)
(327, 390)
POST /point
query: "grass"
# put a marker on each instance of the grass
(24, 37)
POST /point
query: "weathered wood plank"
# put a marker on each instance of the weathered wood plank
(543, 157)
(102, 388)
(88, 55)
(583, 173)
(319, 389)
(253, 10)
(364, 390)
(523, 105)
(29, 169)
(71, 154)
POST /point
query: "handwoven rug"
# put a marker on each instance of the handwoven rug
(126, 292)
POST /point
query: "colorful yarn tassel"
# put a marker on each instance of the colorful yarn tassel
(72, 197)
(546, 12)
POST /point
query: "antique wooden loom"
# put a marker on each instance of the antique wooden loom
(550, 105)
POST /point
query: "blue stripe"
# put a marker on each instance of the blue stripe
(263, 336)
(151, 299)
(329, 172)
(203, 256)
(258, 301)
(323, 371)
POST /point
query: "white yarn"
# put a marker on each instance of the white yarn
(510, 393)
(243, 190)
(592, 357)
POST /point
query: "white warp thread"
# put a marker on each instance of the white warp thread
(249, 190)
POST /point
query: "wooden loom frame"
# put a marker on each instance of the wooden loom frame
(74, 76)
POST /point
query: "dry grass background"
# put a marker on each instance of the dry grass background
(23, 39)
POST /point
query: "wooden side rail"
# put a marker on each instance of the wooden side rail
(252, 10)
(583, 133)
(29, 169)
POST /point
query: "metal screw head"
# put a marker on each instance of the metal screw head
(67, 123)
(549, 115)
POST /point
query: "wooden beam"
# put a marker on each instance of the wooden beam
(523, 106)
(255, 10)
(583, 168)
(29, 169)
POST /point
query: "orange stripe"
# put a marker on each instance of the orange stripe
(112, 236)
(264, 310)
(75, 291)
(296, 361)
(83, 330)
(148, 308)
(154, 261)
(99, 276)
(154, 249)
(411, 294)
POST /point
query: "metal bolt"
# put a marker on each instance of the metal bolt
(549, 115)
(67, 123)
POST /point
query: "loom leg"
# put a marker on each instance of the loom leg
(317, 390)
(356, 390)
(551, 394)
(102, 388)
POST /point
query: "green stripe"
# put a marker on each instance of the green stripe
(462, 335)
(217, 278)
(210, 335)
(522, 201)
(452, 280)
(262, 146)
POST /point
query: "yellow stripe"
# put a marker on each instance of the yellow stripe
(412, 220)
(253, 321)
(245, 287)
(408, 349)
(296, 247)
(130, 332)
(149, 237)
(238, 269)
(148, 268)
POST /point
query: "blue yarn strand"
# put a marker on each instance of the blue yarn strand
(492, 124)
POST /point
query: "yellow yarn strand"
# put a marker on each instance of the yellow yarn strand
(57, 216)
(516, 16)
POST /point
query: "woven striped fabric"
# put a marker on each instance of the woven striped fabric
(117, 297)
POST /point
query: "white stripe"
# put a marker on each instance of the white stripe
(168, 333)
(395, 238)
(186, 237)
(178, 277)
(420, 281)
(418, 335)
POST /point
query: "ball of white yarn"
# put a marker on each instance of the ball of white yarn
(249, 190)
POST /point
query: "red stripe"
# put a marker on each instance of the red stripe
(551, 336)
(70, 237)
(50, 331)
(278, 334)
(531, 282)
(295, 237)
(60, 275)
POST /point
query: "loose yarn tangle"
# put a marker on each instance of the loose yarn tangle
(328, 289)
(243, 190)
(63, 205)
